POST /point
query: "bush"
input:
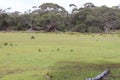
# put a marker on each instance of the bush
(71, 50)
(80, 28)
(11, 44)
(5, 44)
(58, 49)
(32, 37)
(39, 50)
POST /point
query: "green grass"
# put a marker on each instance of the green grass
(61, 56)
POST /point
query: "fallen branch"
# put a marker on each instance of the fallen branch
(100, 76)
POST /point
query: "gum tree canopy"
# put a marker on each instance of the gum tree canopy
(53, 14)
(51, 7)
(51, 17)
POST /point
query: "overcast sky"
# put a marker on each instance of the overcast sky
(22, 5)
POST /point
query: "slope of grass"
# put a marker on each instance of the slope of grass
(60, 56)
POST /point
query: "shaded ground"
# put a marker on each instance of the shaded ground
(76, 70)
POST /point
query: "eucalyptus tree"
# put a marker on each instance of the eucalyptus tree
(89, 5)
(51, 7)
(4, 19)
(51, 16)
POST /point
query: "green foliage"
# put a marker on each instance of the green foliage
(39, 50)
(80, 28)
(71, 50)
(11, 44)
(5, 44)
(52, 17)
(58, 49)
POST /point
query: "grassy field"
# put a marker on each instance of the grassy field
(58, 56)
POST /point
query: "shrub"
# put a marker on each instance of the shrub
(71, 50)
(58, 49)
(5, 44)
(39, 50)
(11, 44)
(32, 37)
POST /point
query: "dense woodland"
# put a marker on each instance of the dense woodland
(51, 17)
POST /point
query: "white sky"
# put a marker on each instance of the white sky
(22, 5)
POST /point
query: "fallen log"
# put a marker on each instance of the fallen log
(100, 76)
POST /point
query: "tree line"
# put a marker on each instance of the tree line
(51, 17)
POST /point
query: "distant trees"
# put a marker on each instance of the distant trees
(96, 19)
(51, 17)
(4, 21)
(89, 5)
